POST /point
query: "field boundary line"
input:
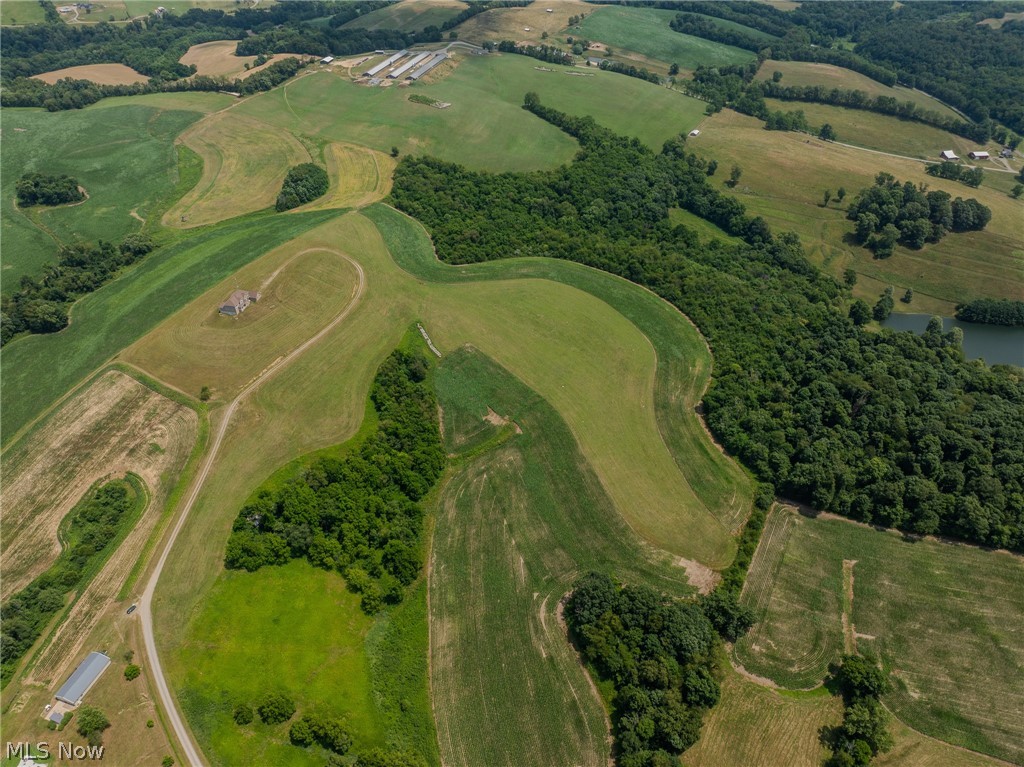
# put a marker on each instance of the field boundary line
(181, 729)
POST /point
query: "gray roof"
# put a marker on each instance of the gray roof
(408, 65)
(386, 63)
(430, 64)
(83, 678)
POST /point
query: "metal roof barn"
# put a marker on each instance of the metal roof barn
(83, 678)
(408, 65)
(384, 64)
(438, 58)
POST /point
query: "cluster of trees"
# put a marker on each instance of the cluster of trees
(891, 212)
(630, 71)
(47, 189)
(89, 532)
(548, 53)
(91, 722)
(304, 183)
(864, 732)
(41, 304)
(359, 514)
(972, 177)
(888, 428)
(660, 656)
(325, 731)
(993, 311)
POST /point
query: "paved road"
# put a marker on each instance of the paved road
(181, 731)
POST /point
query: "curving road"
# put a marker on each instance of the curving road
(191, 751)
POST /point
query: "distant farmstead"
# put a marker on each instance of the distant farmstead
(948, 154)
(239, 301)
(979, 155)
(83, 678)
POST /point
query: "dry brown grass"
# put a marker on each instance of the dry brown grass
(359, 176)
(101, 74)
(218, 59)
(244, 164)
(511, 23)
(114, 426)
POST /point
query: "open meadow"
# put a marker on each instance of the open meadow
(358, 176)
(102, 74)
(409, 15)
(804, 73)
(785, 175)
(528, 23)
(21, 12)
(124, 157)
(218, 59)
(945, 620)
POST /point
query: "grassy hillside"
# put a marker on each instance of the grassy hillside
(516, 524)
(123, 156)
(946, 620)
(485, 127)
(785, 174)
(409, 16)
(646, 31)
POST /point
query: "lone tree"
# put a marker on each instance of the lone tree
(827, 133)
(131, 671)
(204, 394)
(841, 193)
(734, 175)
(826, 197)
(908, 296)
(394, 151)
(275, 708)
(242, 714)
(674, 69)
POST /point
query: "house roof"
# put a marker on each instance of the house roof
(82, 679)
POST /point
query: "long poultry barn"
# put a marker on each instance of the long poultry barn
(408, 65)
(384, 64)
(437, 59)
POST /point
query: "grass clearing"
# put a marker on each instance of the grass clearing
(302, 282)
(511, 23)
(485, 126)
(409, 15)
(359, 176)
(945, 619)
(785, 174)
(123, 156)
(218, 59)
(21, 12)
(647, 31)
(244, 164)
(805, 73)
(515, 525)
(101, 74)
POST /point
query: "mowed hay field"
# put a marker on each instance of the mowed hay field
(514, 527)
(485, 127)
(304, 283)
(946, 620)
(647, 31)
(804, 73)
(21, 12)
(102, 74)
(511, 23)
(113, 426)
(124, 157)
(359, 176)
(785, 174)
(409, 15)
(244, 163)
(218, 59)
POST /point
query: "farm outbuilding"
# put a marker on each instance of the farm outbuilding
(979, 155)
(384, 64)
(83, 678)
(948, 154)
(239, 301)
(430, 64)
(408, 65)
(327, 59)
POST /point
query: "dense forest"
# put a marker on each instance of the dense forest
(41, 304)
(993, 311)
(660, 656)
(359, 514)
(304, 183)
(884, 427)
(89, 533)
(891, 212)
(47, 189)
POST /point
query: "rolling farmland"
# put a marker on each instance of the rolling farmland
(409, 16)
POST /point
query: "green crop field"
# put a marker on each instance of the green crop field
(515, 525)
(785, 174)
(646, 31)
(409, 16)
(123, 156)
(803, 73)
(945, 619)
(485, 127)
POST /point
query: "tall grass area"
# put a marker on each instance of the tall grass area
(123, 156)
(38, 369)
(947, 621)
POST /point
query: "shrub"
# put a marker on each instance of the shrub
(131, 672)
(242, 714)
(275, 708)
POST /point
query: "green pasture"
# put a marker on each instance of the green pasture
(38, 369)
(409, 16)
(123, 156)
(485, 126)
(647, 31)
(515, 525)
(21, 12)
(946, 620)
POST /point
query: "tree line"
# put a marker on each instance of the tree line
(972, 177)
(548, 53)
(873, 426)
(47, 189)
(359, 514)
(992, 311)
(89, 533)
(41, 304)
(891, 212)
(864, 732)
(630, 71)
(303, 183)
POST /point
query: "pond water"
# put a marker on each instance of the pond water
(992, 343)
